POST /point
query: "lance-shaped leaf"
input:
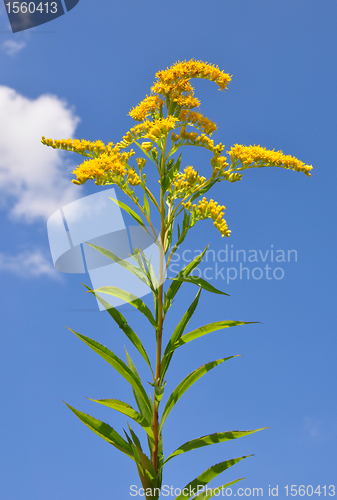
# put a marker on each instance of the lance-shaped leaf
(145, 408)
(202, 283)
(126, 409)
(104, 431)
(211, 492)
(147, 268)
(176, 284)
(204, 330)
(144, 465)
(121, 262)
(124, 326)
(146, 205)
(130, 298)
(186, 384)
(217, 437)
(179, 330)
(207, 476)
(117, 363)
(129, 211)
(203, 190)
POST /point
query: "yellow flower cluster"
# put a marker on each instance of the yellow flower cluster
(186, 182)
(248, 155)
(148, 106)
(182, 71)
(133, 178)
(192, 139)
(173, 89)
(198, 120)
(109, 167)
(82, 147)
(152, 130)
(187, 101)
(209, 210)
(174, 82)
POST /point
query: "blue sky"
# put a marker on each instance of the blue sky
(78, 76)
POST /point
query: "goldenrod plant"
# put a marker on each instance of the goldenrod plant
(167, 120)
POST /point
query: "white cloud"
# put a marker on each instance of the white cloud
(12, 47)
(28, 264)
(34, 179)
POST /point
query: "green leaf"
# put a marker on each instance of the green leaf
(215, 491)
(203, 191)
(130, 298)
(145, 408)
(187, 383)
(129, 211)
(121, 262)
(116, 363)
(123, 325)
(104, 431)
(146, 205)
(217, 437)
(211, 327)
(179, 330)
(202, 283)
(207, 476)
(176, 284)
(144, 465)
(126, 409)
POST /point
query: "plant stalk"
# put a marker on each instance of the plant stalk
(155, 423)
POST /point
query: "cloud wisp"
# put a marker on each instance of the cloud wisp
(12, 47)
(28, 264)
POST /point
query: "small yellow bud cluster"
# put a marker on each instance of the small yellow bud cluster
(191, 138)
(141, 163)
(152, 130)
(133, 178)
(148, 106)
(219, 162)
(185, 183)
(147, 146)
(82, 147)
(161, 127)
(219, 165)
(175, 91)
(209, 210)
(263, 157)
(197, 119)
(187, 101)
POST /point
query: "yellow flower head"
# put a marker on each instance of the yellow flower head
(198, 120)
(262, 157)
(187, 182)
(148, 106)
(109, 167)
(181, 72)
(152, 130)
(85, 148)
(209, 210)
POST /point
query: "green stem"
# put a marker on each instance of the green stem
(155, 422)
